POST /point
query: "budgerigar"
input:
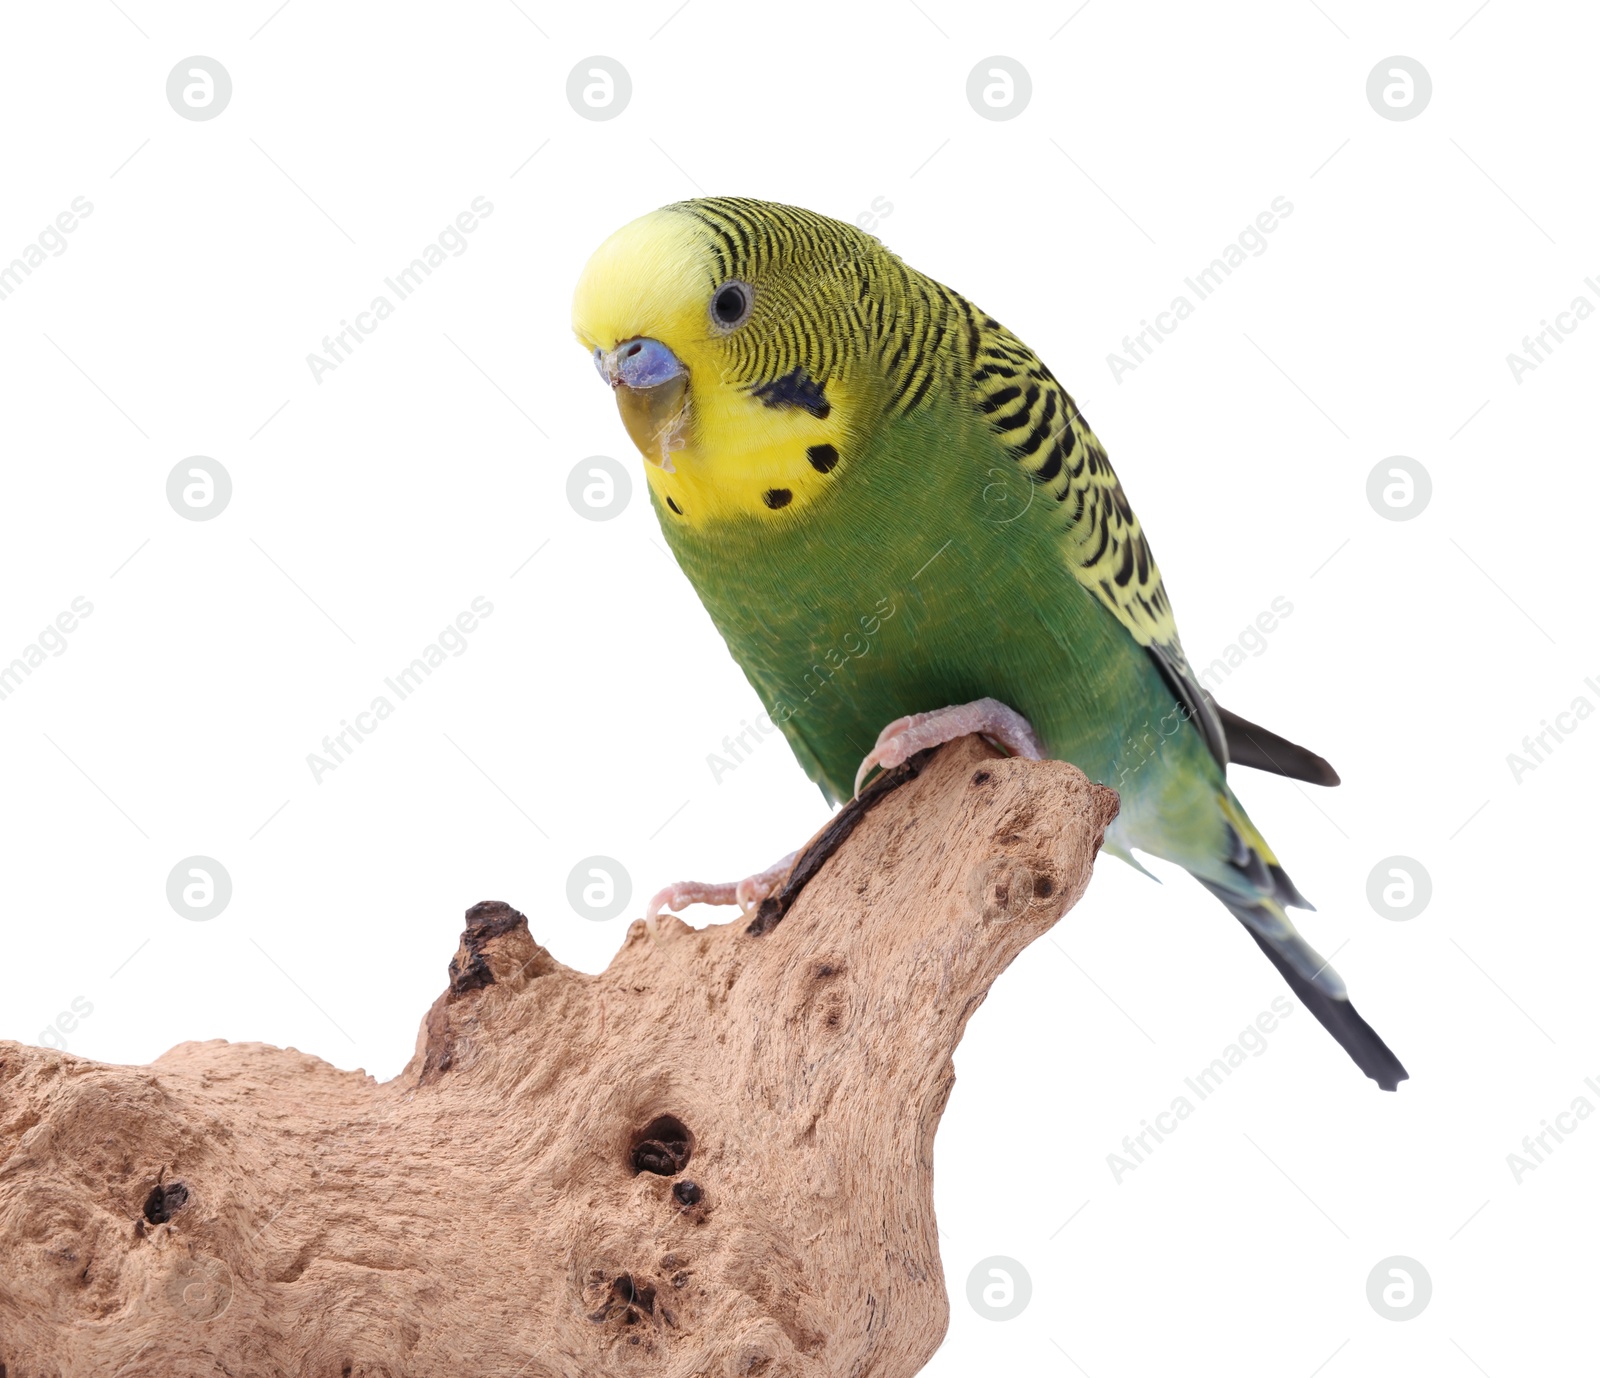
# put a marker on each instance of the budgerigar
(905, 531)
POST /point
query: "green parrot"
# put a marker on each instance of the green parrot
(905, 531)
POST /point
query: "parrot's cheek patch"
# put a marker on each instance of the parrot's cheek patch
(657, 418)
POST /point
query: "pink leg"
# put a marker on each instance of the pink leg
(746, 893)
(904, 737)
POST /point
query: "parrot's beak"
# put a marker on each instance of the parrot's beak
(652, 388)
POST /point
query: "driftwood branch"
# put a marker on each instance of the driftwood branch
(715, 1158)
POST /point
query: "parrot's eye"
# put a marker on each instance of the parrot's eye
(731, 305)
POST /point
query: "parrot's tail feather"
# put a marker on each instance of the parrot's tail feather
(1256, 747)
(1285, 890)
(1339, 1017)
(1266, 920)
(1315, 984)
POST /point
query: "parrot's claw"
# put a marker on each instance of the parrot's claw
(746, 893)
(682, 894)
(904, 737)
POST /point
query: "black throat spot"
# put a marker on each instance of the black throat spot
(795, 389)
(822, 457)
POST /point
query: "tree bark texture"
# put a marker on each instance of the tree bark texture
(714, 1159)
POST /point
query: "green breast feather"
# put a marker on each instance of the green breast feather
(979, 545)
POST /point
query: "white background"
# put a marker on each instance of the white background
(372, 507)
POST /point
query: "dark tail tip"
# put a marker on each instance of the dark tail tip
(1357, 1037)
(1256, 747)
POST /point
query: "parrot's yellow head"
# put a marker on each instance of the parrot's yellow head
(737, 337)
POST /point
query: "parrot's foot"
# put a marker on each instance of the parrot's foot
(746, 893)
(904, 737)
